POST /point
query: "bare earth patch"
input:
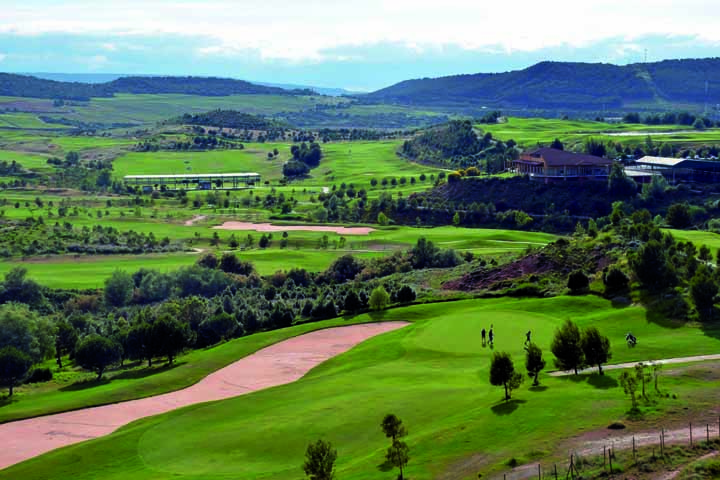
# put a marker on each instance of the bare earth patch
(277, 364)
(196, 218)
(269, 228)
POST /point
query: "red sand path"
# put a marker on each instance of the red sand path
(277, 364)
(267, 227)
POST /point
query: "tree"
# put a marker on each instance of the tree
(352, 302)
(678, 216)
(577, 281)
(703, 290)
(119, 289)
(21, 328)
(423, 253)
(619, 184)
(382, 219)
(567, 347)
(393, 427)
(320, 461)
(615, 280)
(379, 298)
(503, 374)
(652, 267)
(629, 383)
(595, 347)
(557, 144)
(406, 294)
(398, 454)
(65, 339)
(96, 353)
(169, 337)
(534, 362)
(14, 367)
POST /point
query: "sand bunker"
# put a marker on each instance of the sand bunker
(277, 364)
(267, 227)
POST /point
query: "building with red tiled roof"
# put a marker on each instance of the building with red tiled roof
(550, 164)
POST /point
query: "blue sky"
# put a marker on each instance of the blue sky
(356, 45)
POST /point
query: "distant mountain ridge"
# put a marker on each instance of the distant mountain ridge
(28, 86)
(567, 85)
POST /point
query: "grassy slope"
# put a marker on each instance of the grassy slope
(91, 271)
(433, 374)
(528, 132)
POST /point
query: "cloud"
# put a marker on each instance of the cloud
(291, 31)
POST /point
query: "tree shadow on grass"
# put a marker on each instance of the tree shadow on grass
(378, 315)
(146, 372)
(602, 382)
(538, 388)
(506, 408)
(6, 400)
(84, 385)
(386, 466)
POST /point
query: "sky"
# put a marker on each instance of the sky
(358, 45)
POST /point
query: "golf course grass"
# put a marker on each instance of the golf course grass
(87, 272)
(433, 374)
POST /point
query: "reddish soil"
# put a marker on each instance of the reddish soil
(267, 227)
(554, 259)
(277, 364)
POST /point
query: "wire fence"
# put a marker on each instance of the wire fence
(608, 456)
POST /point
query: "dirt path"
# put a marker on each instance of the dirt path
(675, 473)
(267, 227)
(195, 219)
(619, 366)
(277, 364)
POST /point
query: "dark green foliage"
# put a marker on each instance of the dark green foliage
(567, 347)
(66, 337)
(14, 367)
(228, 119)
(678, 216)
(564, 85)
(595, 347)
(405, 295)
(629, 382)
(40, 375)
(342, 270)
(18, 288)
(209, 260)
(578, 281)
(221, 326)
(534, 362)
(352, 302)
(295, 168)
(398, 454)
(119, 289)
(169, 337)
(557, 144)
(230, 263)
(595, 147)
(615, 280)
(619, 184)
(27, 86)
(703, 290)
(456, 138)
(320, 461)
(503, 374)
(96, 353)
(650, 264)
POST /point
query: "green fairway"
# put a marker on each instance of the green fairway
(432, 374)
(85, 272)
(528, 132)
(699, 237)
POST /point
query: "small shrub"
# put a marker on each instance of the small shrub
(616, 426)
(40, 375)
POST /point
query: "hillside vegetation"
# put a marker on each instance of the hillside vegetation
(565, 85)
(33, 87)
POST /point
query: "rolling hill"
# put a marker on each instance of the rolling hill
(572, 86)
(14, 85)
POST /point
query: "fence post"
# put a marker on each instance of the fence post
(604, 458)
(555, 468)
(539, 473)
(610, 454)
(634, 456)
(691, 434)
(707, 430)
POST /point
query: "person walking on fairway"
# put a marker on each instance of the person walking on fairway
(491, 335)
(527, 337)
(483, 336)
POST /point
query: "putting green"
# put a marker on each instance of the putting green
(433, 374)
